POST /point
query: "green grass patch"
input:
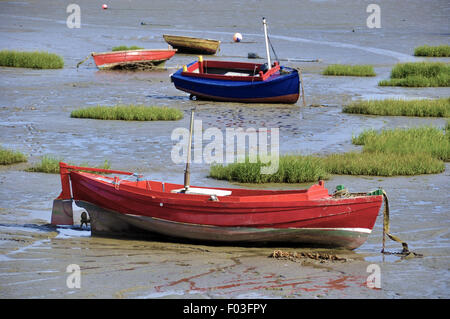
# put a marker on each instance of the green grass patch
(50, 165)
(431, 141)
(129, 113)
(419, 74)
(125, 48)
(34, 60)
(349, 70)
(398, 107)
(433, 51)
(382, 164)
(397, 152)
(292, 169)
(8, 157)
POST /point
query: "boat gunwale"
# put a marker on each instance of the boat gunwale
(156, 63)
(258, 77)
(165, 36)
(128, 51)
(281, 197)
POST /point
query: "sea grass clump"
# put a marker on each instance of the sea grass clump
(399, 107)
(50, 165)
(419, 74)
(433, 51)
(349, 70)
(33, 60)
(129, 113)
(394, 152)
(8, 157)
(126, 48)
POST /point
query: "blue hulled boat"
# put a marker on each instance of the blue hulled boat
(239, 81)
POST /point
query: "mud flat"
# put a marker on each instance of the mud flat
(35, 107)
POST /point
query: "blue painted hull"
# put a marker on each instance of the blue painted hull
(279, 88)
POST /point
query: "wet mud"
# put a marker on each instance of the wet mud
(35, 108)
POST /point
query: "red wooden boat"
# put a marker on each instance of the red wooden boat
(132, 58)
(120, 206)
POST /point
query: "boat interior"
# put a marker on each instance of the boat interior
(226, 70)
(147, 187)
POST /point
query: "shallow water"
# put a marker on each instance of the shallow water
(34, 118)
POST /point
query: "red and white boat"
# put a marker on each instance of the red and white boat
(132, 58)
(307, 217)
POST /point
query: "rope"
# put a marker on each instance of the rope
(81, 62)
(298, 69)
(344, 193)
(276, 57)
(301, 83)
(405, 251)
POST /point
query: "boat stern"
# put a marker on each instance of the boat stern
(62, 212)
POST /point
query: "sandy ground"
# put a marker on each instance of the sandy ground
(34, 118)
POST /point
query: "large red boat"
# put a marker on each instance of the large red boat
(307, 217)
(132, 58)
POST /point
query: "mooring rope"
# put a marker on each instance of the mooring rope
(405, 251)
(342, 192)
(273, 49)
(81, 62)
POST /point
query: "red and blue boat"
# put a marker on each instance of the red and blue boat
(239, 81)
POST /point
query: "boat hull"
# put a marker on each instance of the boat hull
(304, 217)
(192, 45)
(132, 58)
(105, 222)
(278, 88)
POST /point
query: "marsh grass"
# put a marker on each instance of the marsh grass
(50, 165)
(129, 113)
(431, 141)
(419, 74)
(34, 60)
(8, 157)
(349, 70)
(125, 48)
(382, 164)
(398, 107)
(292, 169)
(395, 152)
(433, 51)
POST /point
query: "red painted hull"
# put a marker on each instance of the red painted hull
(116, 58)
(309, 216)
